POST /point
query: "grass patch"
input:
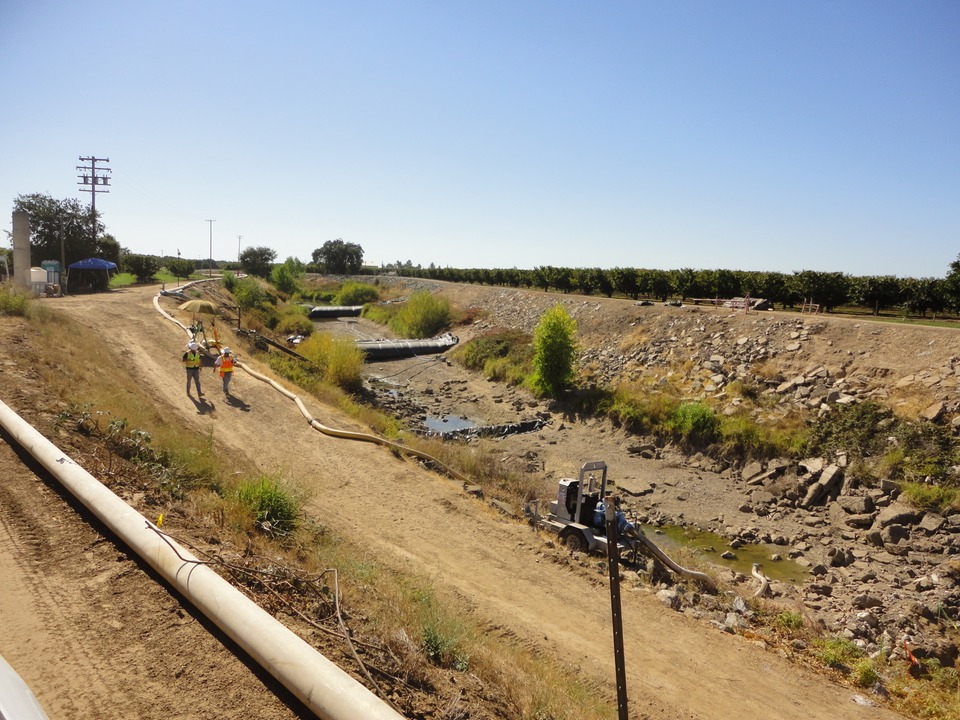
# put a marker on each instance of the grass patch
(837, 653)
(274, 507)
(935, 498)
(743, 437)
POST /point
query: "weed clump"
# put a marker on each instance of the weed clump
(275, 509)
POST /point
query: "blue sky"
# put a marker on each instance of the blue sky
(770, 135)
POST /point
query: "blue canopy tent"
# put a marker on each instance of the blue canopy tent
(89, 270)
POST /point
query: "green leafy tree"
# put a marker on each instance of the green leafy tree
(603, 282)
(258, 261)
(925, 294)
(660, 284)
(583, 280)
(685, 282)
(286, 277)
(827, 289)
(69, 221)
(626, 281)
(951, 286)
(144, 267)
(876, 291)
(180, 268)
(342, 258)
(555, 350)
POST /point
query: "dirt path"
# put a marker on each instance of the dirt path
(677, 667)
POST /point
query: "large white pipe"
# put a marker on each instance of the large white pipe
(322, 686)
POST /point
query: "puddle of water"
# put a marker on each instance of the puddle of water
(445, 423)
(710, 546)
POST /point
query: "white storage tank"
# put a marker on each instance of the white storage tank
(38, 280)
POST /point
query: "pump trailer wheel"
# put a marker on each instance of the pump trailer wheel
(573, 540)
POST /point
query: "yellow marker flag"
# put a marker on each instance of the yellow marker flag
(160, 520)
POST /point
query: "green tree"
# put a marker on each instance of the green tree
(143, 266)
(925, 294)
(286, 277)
(827, 289)
(342, 258)
(626, 281)
(69, 221)
(875, 291)
(258, 261)
(951, 286)
(180, 268)
(685, 282)
(555, 349)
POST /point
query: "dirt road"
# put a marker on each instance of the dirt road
(677, 667)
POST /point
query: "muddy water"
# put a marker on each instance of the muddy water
(709, 546)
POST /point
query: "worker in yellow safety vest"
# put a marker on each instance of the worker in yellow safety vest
(191, 361)
(224, 365)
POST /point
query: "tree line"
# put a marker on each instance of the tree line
(67, 230)
(829, 290)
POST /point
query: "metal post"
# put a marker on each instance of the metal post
(613, 565)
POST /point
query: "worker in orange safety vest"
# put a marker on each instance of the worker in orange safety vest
(224, 365)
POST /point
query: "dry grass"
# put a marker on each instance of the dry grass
(909, 402)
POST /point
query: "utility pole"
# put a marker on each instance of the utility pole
(239, 238)
(95, 181)
(210, 270)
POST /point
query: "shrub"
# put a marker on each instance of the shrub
(13, 302)
(250, 294)
(554, 352)
(293, 320)
(864, 673)
(339, 362)
(353, 293)
(504, 356)
(694, 424)
(284, 278)
(853, 428)
(422, 316)
(229, 280)
(788, 621)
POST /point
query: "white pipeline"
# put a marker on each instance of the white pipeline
(322, 686)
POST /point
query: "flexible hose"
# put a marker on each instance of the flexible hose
(699, 577)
